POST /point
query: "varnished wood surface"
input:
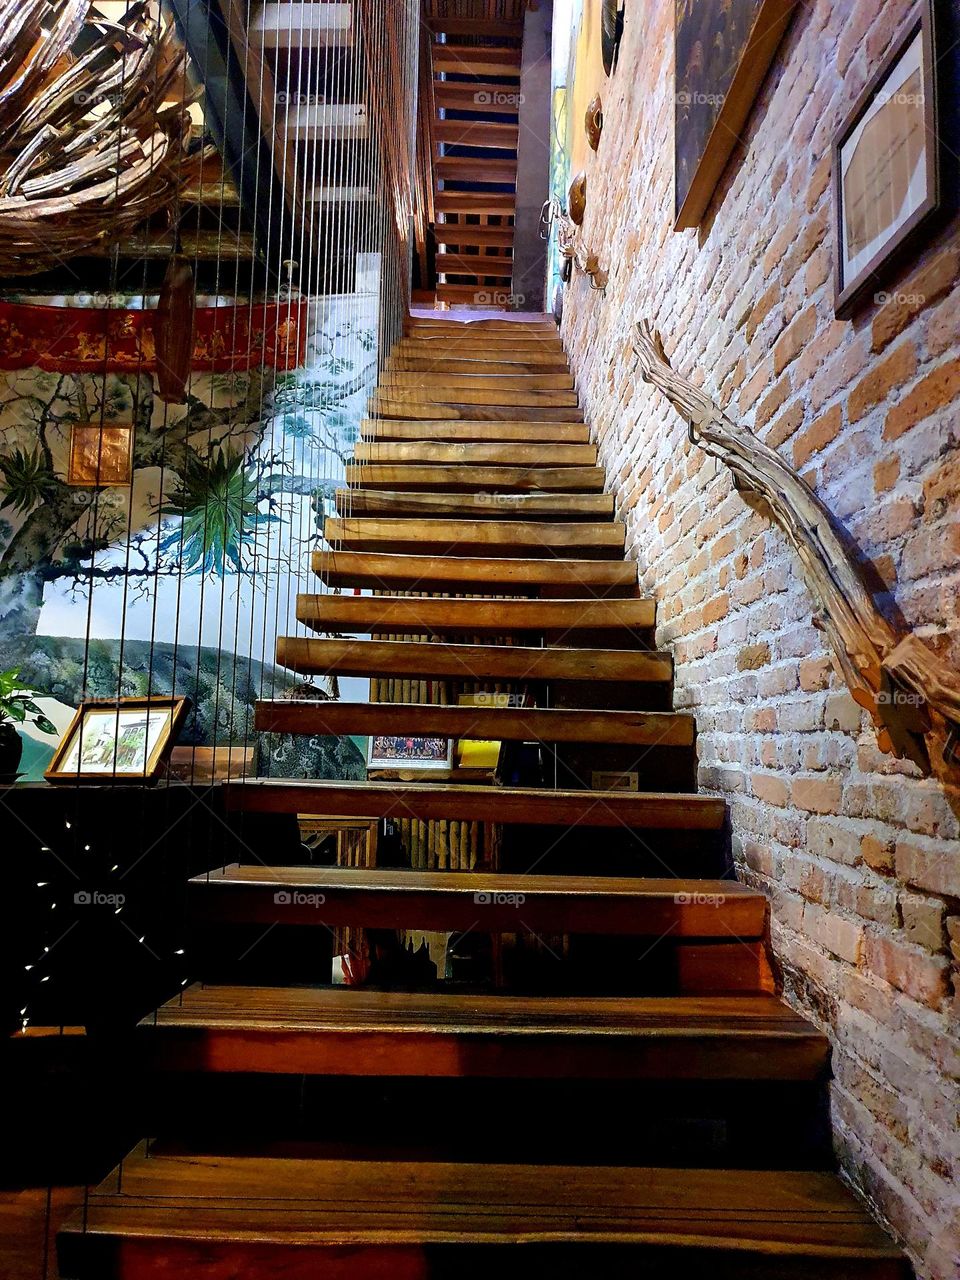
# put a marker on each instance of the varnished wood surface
(499, 724)
(458, 900)
(473, 573)
(526, 805)
(470, 537)
(378, 1219)
(491, 505)
(469, 661)
(443, 392)
(390, 406)
(354, 1031)
(474, 380)
(469, 479)
(435, 364)
(412, 614)
(456, 453)
(437, 430)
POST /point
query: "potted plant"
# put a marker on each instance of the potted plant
(16, 707)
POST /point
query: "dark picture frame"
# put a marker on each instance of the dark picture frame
(131, 738)
(723, 52)
(862, 274)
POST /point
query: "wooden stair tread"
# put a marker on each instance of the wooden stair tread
(474, 381)
(413, 572)
(477, 133)
(445, 393)
(526, 805)
(390, 406)
(516, 724)
(436, 430)
(427, 615)
(471, 233)
(496, 169)
(516, 663)
(453, 479)
(497, 346)
(459, 363)
(509, 537)
(637, 906)
(460, 203)
(475, 506)
(501, 453)
(379, 1212)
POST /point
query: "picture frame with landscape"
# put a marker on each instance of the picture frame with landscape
(124, 740)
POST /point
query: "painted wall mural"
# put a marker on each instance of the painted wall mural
(168, 557)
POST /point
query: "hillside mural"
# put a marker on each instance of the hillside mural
(179, 577)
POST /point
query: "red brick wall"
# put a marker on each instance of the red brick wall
(859, 853)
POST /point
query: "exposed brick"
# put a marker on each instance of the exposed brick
(910, 969)
(817, 795)
(843, 938)
(933, 392)
(716, 609)
(913, 296)
(817, 436)
(878, 854)
(923, 920)
(753, 656)
(937, 870)
(886, 473)
(770, 789)
(898, 367)
(794, 340)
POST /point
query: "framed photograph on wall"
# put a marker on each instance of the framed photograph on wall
(414, 754)
(723, 51)
(126, 740)
(887, 165)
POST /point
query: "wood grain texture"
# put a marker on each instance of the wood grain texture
(503, 454)
(443, 392)
(386, 571)
(470, 661)
(429, 616)
(435, 430)
(365, 1219)
(352, 1031)
(407, 476)
(475, 380)
(491, 505)
(643, 810)
(471, 537)
(390, 406)
(515, 724)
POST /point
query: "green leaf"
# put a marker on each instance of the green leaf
(45, 725)
(16, 712)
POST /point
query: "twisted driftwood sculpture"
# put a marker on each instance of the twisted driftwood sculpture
(91, 144)
(552, 215)
(908, 690)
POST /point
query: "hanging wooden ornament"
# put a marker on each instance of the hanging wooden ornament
(593, 121)
(577, 199)
(173, 330)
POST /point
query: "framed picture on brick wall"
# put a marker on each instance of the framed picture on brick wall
(887, 162)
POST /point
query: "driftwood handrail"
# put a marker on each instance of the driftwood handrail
(911, 694)
(552, 215)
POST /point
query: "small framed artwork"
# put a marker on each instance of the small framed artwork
(100, 455)
(415, 754)
(887, 165)
(127, 740)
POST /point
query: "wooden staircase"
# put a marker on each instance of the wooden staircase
(458, 1128)
(472, 86)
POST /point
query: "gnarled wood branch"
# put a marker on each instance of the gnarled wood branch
(911, 694)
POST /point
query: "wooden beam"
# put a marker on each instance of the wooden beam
(475, 537)
(423, 614)
(474, 506)
(373, 475)
(473, 574)
(500, 454)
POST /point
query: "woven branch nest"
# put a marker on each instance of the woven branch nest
(91, 144)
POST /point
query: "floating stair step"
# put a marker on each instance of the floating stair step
(392, 407)
(497, 724)
(475, 506)
(476, 133)
(462, 573)
(476, 169)
(537, 354)
(490, 203)
(486, 27)
(486, 99)
(471, 537)
(460, 233)
(410, 615)
(444, 393)
(493, 297)
(484, 267)
(404, 476)
(475, 380)
(437, 430)
(425, 340)
(495, 455)
(492, 902)
(483, 328)
(438, 365)
(476, 60)
(483, 662)
(643, 810)
(210, 1217)
(350, 1032)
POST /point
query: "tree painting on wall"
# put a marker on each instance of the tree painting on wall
(723, 51)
